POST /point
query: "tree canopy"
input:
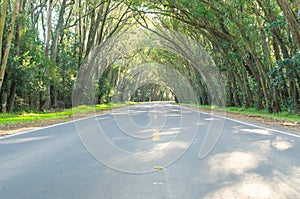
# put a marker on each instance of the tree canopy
(45, 44)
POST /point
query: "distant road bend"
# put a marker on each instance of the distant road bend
(150, 151)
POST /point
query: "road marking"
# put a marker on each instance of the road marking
(155, 135)
(241, 122)
(158, 167)
(158, 183)
(181, 106)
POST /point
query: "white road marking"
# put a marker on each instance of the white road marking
(241, 122)
(186, 108)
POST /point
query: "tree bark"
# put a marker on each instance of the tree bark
(45, 101)
(48, 33)
(2, 24)
(3, 101)
(13, 86)
(11, 98)
(58, 29)
(294, 25)
(8, 43)
(93, 29)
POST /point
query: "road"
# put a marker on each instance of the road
(152, 150)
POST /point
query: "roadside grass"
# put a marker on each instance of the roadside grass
(253, 112)
(28, 117)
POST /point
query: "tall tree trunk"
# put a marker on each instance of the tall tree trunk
(11, 98)
(236, 91)
(8, 43)
(257, 60)
(93, 29)
(58, 30)
(230, 100)
(2, 24)
(45, 97)
(100, 36)
(294, 25)
(13, 86)
(48, 33)
(3, 97)
(3, 101)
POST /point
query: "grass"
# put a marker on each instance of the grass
(282, 116)
(25, 117)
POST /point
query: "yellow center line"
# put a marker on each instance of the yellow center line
(155, 135)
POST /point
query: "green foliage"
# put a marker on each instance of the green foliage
(29, 117)
(250, 42)
(283, 116)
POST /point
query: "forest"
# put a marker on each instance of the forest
(44, 44)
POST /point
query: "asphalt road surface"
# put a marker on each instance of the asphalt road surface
(152, 150)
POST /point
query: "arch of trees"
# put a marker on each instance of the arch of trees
(254, 44)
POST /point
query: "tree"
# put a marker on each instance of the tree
(294, 24)
(9, 37)
(255, 45)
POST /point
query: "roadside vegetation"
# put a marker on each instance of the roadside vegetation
(28, 117)
(253, 112)
(46, 50)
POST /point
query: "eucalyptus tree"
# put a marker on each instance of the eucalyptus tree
(255, 45)
(242, 37)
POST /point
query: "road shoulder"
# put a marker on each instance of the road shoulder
(279, 125)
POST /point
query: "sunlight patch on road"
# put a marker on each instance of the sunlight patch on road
(246, 182)
(256, 131)
(211, 119)
(251, 186)
(281, 145)
(22, 140)
(255, 186)
(169, 132)
(263, 146)
(234, 162)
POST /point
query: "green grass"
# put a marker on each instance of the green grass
(284, 116)
(25, 117)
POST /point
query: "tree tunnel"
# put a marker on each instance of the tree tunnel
(134, 73)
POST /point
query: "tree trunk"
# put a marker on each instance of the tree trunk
(45, 101)
(261, 72)
(3, 96)
(59, 26)
(48, 33)
(236, 92)
(93, 29)
(4, 101)
(2, 24)
(58, 29)
(13, 86)
(11, 98)
(100, 36)
(229, 89)
(8, 43)
(294, 25)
